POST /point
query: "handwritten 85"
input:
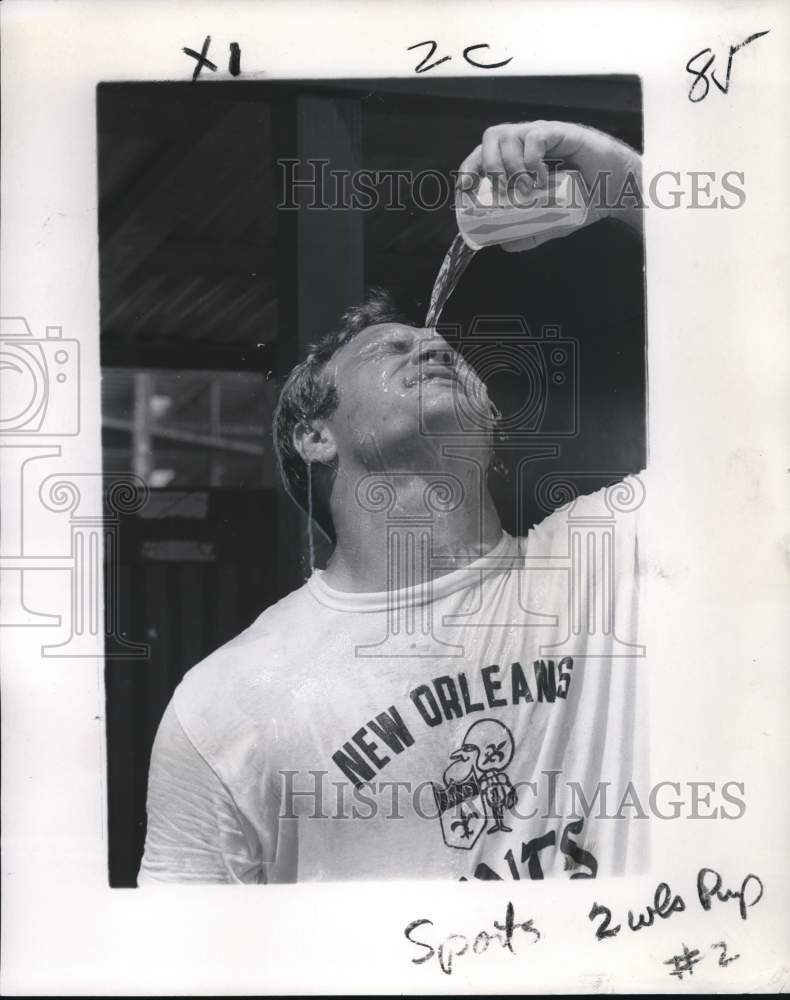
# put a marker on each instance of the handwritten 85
(710, 889)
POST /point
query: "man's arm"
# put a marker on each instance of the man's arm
(518, 153)
(195, 832)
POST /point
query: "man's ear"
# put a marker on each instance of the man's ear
(315, 442)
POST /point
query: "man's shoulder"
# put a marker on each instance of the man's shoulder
(256, 659)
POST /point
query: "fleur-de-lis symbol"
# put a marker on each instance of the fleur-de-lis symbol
(494, 752)
(464, 821)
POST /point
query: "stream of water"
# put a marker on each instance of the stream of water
(453, 266)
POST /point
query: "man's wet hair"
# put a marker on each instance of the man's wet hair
(309, 394)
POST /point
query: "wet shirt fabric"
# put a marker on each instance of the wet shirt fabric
(491, 724)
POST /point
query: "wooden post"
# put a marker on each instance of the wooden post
(322, 268)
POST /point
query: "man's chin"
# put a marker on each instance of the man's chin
(448, 412)
(439, 413)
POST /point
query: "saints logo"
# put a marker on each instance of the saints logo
(476, 788)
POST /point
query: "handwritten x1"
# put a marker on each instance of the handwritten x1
(201, 59)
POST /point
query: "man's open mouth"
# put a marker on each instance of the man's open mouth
(432, 375)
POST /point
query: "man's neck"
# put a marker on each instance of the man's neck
(400, 529)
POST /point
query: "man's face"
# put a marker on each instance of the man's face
(400, 390)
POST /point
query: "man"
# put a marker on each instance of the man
(442, 700)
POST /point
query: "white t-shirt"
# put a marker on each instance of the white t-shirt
(491, 724)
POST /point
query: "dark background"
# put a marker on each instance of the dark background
(209, 294)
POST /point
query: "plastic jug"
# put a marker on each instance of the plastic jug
(547, 213)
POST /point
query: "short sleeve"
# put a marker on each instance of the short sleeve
(622, 505)
(195, 831)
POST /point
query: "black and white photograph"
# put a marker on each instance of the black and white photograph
(393, 469)
(376, 403)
